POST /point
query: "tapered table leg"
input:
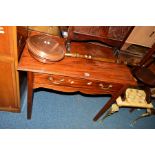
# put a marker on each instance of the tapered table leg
(104, 109)
(30, 94)
(109, 103)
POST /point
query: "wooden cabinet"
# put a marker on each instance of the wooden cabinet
(8, 92)
(9, 78)
(114, 36)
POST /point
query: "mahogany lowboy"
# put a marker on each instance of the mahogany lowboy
(76, 75)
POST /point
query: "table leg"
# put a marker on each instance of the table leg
(108, 104)
(30, 94)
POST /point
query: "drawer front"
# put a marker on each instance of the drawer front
(93, 85)
(4, 40)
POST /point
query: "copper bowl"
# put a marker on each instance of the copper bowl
(46, 48)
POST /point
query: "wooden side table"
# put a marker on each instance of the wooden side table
(76, 75)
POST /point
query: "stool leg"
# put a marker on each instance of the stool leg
(148, 94)
(30, 94)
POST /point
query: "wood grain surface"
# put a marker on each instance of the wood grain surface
(77, 67)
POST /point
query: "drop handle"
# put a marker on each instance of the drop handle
(152, 34)
(56, 82)
(50, 78)
(89, 83)
(105, 87)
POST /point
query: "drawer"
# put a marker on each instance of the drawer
(59, 80)
(4, 40)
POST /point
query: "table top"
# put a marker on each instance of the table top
(79, 67)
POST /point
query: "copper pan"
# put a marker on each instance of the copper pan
(46, 48)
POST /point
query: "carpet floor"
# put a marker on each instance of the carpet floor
(54, 110)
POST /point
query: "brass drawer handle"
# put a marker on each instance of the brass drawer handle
(105, 88)
(56, 82)
(86, 74)
(1, 30)
(70, 81)
(62, 80)
(50, 78)
(89, 83)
